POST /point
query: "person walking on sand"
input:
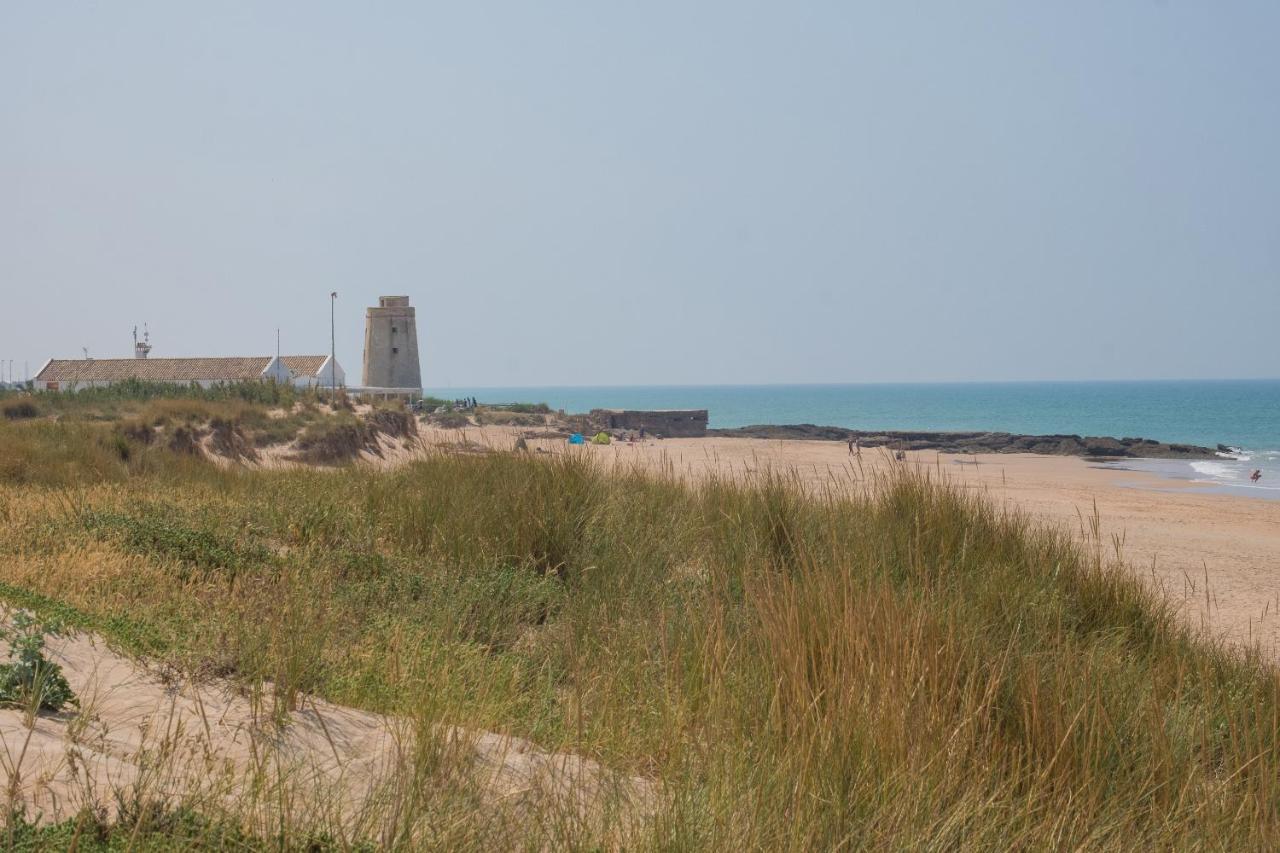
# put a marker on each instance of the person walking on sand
(1256, 475)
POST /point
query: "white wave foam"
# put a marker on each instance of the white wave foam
(1230, 476)
(1216, 471)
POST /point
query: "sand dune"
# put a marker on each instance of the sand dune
(142, 736)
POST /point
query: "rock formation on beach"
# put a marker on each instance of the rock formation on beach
(980, 442)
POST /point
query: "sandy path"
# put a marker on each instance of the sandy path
(1173, 534)
(214, 747)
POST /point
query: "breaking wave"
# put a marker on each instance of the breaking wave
(1235, 470)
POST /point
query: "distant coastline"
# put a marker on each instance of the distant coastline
(1098, 447)
(1239, 413)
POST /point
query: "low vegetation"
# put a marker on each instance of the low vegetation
(448, 420)
(152, 831)
(344, 437)
(900, 664)
(109, 400)
(520, 408)
(29, 680)
(121, 431)
(502, 417)
(19, 409)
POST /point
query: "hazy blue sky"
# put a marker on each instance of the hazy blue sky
(649, 192)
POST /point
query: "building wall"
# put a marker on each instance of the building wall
(322, 378)
(391, 345)
(85, 384)
(275, 370)
(686, 423)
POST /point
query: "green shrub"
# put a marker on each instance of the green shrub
(20, 410)
(449, 420)
(333, 440)
(262, 393)
(154, 531)
(522, 408)
(394, 421)
(28, 679)
(154, 827)
(48, 453)
(502, 417)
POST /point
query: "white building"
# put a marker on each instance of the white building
(302, 371)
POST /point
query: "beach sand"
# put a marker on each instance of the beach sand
(145, 732)
(1217, 556)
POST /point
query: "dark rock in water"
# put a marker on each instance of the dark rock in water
(1099, 447)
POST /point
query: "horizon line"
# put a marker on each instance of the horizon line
(864, 383)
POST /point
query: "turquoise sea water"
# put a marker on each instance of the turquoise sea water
(1238, 413)
(1242, 414)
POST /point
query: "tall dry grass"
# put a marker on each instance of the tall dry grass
(898, 665)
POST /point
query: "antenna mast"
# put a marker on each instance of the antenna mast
(143, 347)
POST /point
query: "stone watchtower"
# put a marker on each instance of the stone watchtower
(391, 345)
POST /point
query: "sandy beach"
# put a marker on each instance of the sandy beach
(1173, 534)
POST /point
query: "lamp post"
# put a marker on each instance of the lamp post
(333, 349)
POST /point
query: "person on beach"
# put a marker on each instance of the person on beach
(1256, 475)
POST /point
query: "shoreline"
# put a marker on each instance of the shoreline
(979, 441)
(1226, 476)
(1236, 412)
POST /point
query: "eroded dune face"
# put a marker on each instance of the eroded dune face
(143, 740)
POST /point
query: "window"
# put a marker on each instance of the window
(393, 330)
(395, 350)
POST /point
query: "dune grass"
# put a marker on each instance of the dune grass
(898, 664)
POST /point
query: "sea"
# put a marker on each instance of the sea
(1243, 415)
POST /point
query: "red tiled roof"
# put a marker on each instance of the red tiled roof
(173, 369)
(303, 365)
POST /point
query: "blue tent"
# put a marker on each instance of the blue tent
(577, 438)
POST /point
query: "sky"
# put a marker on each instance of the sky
(650, 192)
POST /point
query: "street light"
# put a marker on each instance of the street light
(333, 349)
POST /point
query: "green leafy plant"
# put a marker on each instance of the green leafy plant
(29, 679)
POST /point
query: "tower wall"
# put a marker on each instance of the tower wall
(391, 345)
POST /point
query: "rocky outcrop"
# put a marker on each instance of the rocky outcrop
(668, 423)
(980, 442)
